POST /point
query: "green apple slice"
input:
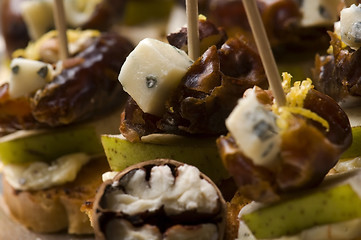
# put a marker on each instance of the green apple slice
(334, 204)
(201, 153)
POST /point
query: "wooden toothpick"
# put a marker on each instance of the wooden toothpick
(59, 18)
(264, 48)
(193, 32)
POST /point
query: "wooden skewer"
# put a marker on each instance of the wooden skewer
(59, 18)
(193, 32)
(264, 48)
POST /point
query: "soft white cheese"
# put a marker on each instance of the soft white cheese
(255, 130)
(348, 165)
(38, 17)
(41, 175)
(177, 19)
(121, 229)
(78, 12)
(109, 175)
(27, 76)
(350, 26)
(319, 12)
(186, 192)
(152, 72)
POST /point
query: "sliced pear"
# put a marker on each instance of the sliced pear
(354, 150)
(336, 203)
(354, 114)
(201, 153)
(48, 145)
(142, 11)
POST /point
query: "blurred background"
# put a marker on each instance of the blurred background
(1, 57)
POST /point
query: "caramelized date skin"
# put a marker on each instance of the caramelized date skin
(15, 113)
(308, 152)
(86, 89)
(338, 74)
(206, 95)
(211, 88)
(135, 123)
(209, 35)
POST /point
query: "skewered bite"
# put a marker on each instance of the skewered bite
(297, 144)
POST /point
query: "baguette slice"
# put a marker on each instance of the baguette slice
(58, 208)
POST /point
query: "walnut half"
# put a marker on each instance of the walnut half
(159, 199)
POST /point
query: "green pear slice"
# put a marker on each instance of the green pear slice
(201, 153)
(47, 145)
(141, 11)
(333, 204)
(354, 150)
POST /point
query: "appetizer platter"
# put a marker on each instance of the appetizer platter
(180, 119)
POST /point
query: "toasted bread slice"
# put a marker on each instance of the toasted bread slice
(57, 208)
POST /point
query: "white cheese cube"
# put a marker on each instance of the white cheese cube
(350, 26)
(27, 76)
(78, 12)
(255, 131)
(38, 17)
(152, 72)
(319, 12)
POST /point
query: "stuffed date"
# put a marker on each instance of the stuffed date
(204, 96)
(338, 74)
(290, 148)
(40, 94)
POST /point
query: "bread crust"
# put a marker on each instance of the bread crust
(58, 208)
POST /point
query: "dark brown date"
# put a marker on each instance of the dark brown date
(209, 35)
(338, 74)
(87, 89)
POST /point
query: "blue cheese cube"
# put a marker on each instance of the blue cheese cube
(350, 26)
(319, 12)
(255, 131)
(152, 72)
(27, 76)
